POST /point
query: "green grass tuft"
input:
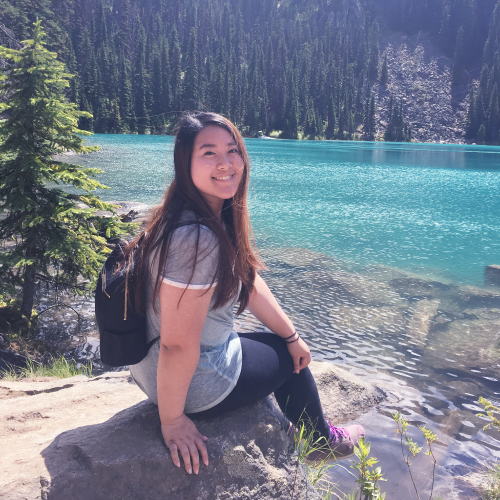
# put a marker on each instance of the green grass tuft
(60, 368)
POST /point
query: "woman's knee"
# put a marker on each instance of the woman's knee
(277, 344)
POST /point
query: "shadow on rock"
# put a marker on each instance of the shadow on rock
(125, 458)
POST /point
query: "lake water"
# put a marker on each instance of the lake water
(377, 252)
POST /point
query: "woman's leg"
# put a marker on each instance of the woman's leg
(267, 367)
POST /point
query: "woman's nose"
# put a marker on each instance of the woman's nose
(225, 162)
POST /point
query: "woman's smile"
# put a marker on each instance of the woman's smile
(225, 178)
(216, 165)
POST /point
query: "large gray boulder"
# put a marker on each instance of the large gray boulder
(100, 438)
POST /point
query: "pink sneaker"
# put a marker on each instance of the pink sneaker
(340, 445)
(343, 440)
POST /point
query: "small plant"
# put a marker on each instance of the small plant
(490, 490)
(490, 410)
(306, 446)
(413, 448)
(60, 368)
(368, 479)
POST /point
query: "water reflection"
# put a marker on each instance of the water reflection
(454, 156)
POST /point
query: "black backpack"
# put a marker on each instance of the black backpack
(122, 329)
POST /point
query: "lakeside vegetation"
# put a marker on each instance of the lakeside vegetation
(59, 367)
(306, 68)
(49, 236)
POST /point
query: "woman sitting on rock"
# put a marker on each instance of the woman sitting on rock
(205, 265)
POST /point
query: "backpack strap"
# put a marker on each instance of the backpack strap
(179, 224)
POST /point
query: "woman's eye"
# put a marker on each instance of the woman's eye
(208, 153)
(234, 151)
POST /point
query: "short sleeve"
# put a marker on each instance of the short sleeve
(182, 256)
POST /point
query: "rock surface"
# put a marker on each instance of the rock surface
(99, 438)
(492, 274)
(420, 76)
(344, 396)
(420, 322)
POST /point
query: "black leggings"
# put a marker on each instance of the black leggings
(268, 367)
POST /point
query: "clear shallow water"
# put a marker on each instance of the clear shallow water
(377, 252)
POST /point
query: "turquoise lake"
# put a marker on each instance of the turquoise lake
(428, 208)
(377, 252)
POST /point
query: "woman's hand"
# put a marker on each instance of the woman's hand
(300, 354)
(182, 436)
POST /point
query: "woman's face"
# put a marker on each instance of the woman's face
(216, 166)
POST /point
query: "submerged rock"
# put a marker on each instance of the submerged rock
(420, 322)
(476, 340)
(366, 318)
(474, 297)
(297, 257)
(492, 275)
(415, 288)
(100, 438)
(371, 292)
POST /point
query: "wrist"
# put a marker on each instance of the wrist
(167, 421)
(292, 338)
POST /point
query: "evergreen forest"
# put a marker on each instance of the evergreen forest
(305, 68)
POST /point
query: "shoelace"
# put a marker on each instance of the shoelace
(336, 433)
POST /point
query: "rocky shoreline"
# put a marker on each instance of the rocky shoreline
(99, 438)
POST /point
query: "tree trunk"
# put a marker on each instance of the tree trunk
(28, 287)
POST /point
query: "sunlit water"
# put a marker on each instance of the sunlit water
(377, 252)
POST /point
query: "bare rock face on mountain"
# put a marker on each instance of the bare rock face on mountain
(100, 438)
(420, 76)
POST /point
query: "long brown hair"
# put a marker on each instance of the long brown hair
(238, 260)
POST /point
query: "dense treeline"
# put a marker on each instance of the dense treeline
(303, 67)
(483, 120)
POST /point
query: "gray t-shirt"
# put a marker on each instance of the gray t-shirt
(220, 358)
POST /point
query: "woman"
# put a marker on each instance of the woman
(198, 263)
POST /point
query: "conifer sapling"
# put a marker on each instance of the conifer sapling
(55, 234)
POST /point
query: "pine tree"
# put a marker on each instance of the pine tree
(141, 87)
(493, 120)
(384, 74)
(125, 97)
(190, 98)
(374, 52)
(369, 122)
(479, 108)
(55, 241)
(480, 135)
(176, 75)
(458, 61)
(330, 129)
(472, 126)
(291, 128)
(397, 129)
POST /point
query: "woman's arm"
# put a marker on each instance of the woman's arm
(266, 309)
(181, 326)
